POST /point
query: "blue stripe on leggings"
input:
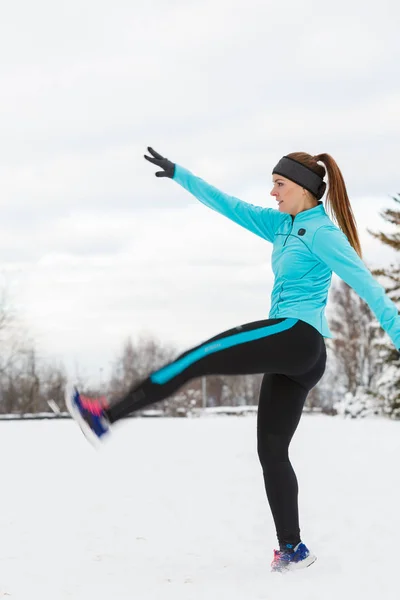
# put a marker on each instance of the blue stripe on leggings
(170, 371)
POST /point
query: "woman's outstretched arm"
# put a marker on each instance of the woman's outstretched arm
(332, 247)
(262, 221)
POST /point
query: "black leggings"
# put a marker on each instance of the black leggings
(292, 355)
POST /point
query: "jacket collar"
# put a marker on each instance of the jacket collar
(310, 213)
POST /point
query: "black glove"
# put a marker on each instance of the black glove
(163, 163)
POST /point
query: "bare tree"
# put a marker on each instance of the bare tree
(53, 381)
(136, 362)
(358, 340)
(12, 345)
(241, 389)
(11, 336)
(29, 382)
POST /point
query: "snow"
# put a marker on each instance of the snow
(176, 509)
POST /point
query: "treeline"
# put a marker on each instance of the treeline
(27, 383)
(362, 376)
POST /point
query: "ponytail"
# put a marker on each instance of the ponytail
(337, 200)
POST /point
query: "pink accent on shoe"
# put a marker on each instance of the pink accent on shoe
(276, 559)
(94, 405)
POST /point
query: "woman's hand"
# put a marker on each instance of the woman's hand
(165, 164)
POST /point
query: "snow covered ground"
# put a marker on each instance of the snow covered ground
(175, 509)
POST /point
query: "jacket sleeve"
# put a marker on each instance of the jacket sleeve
(261, 221)
(332, 247)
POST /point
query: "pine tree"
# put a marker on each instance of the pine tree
(389, 382)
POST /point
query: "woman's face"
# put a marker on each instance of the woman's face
(290, 197)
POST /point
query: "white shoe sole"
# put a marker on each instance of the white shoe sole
(302, 564)
(297, 566)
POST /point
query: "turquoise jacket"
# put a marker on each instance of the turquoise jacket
(306, 249)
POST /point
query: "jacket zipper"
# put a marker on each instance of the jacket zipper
(281, 290)
(293, 218)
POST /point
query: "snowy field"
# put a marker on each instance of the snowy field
(175, 509)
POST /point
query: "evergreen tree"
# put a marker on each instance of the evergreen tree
(389, 382)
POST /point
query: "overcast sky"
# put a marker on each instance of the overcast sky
(93, 247)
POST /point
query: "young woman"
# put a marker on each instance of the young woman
(289, 346)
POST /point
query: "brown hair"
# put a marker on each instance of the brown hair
(337, 200)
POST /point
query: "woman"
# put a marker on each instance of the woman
(289, 346)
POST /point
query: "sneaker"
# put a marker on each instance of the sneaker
(89, 414)
(298, 558)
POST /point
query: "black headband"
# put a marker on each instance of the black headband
(302, 175)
